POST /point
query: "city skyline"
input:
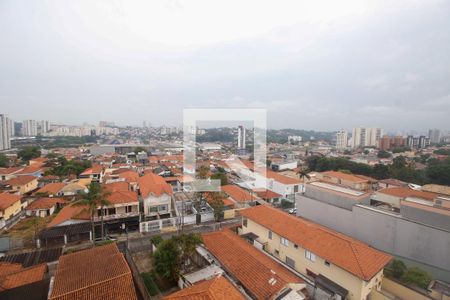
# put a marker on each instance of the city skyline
(102, 61)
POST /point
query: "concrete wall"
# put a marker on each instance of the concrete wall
(427, 217)
(341, 201)
(385, 231)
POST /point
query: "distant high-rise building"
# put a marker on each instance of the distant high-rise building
(434, 135)
(385, 143)
(29, 128)
(44, 127)
(144, 124)
(294, 139)
(341, 140)
(366, 137)
(241, 137)
(5, 130)
(423, 142)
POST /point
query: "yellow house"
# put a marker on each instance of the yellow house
(10, 206)
(23, 184)
(340, 266)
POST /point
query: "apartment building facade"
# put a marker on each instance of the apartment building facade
(330, 259)
(5, 132)
(366, 137)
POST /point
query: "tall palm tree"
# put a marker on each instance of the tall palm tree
(96, 197)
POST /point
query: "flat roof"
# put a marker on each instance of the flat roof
(337, 188)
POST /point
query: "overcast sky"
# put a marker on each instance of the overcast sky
(322, 65)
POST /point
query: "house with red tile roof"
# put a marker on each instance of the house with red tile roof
(337, 263)
(70, 214)
(95, 173)
(22, 184)
(261, 276)
(8, 173)
(156, 194)
(14, 275)
(218, 288)
(238, 195)
(10, 205)
(353, 181)
(124, 204)
(44, 207)
(51, 189)
(97, 273)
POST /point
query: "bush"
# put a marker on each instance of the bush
(156, 240)
(416, 276)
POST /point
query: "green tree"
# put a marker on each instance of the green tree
(139, 149)
(166, 259)
(222, 177)
(380, 171)
(398, 268)
(171, 254)
(4, 162)
(383, 154)
(416, 276)
(29, 153)
(216, 202)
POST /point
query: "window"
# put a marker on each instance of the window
(295, 188)
(277, 252)
(153, 209)
(295, 246)
(128, 208)
(327, 263)
(284, 241)
(310, 256)
(163, 208)
(270, 235)
(290, 262)
(244, 222)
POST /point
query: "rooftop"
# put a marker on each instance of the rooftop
(97, 273)
(259, 274)
(238, 194)
(6, 200)
(349, 254)
(403, 192)
(12, 277)
(153, 184)
(21, 180)
(51, 188)
(218, 288)
(44, 203)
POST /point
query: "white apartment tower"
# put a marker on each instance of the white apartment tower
(5, 131)
(241, 137)
(341, 140)
(366, 137)
(44, 127)
(29, 128)
(434, 135)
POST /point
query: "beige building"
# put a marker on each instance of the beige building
(343, 267)
(23, 184)
(10, 205)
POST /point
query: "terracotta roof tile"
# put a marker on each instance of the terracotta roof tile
(218, 288)
(44, 203)
(97, 273)
(51, 188)
(267, 194)
(248, 265)
(21, 180)
(237, 194)
(153, 184)
(344, 176)
(22, 277)
(6, 200)
(117, 186)
(120, 197)
(349, 254)
(70, 212)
